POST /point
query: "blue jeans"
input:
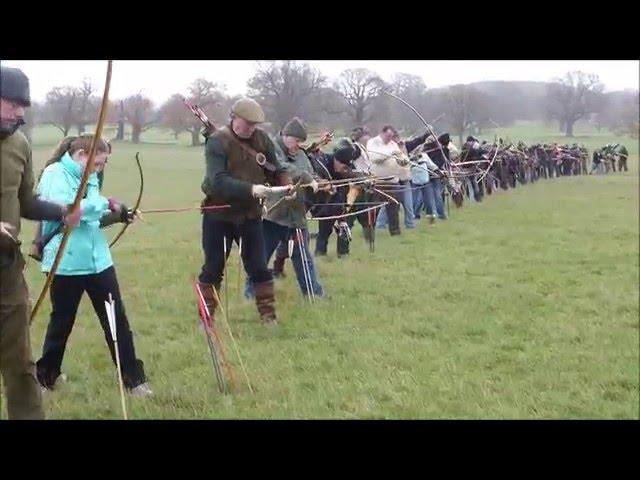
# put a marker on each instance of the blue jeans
(435, 203)
(420, 199)
(405, 197)
(382, 221)
(275, 233)
(472, 193)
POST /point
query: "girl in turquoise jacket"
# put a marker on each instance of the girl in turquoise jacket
(86, 264)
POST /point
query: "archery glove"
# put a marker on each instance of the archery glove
(259, 191)
(291, 196)
(127, 215)
(400, 159)
(343, 231)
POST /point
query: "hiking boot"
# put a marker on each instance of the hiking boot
(278, 267)
(142, 390)
(62, 378)
(265, 301)
(209, 298)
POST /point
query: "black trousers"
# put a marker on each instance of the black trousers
(214, 233)
(622, 163)
(325, 228)
(66, 292)
(363, 218)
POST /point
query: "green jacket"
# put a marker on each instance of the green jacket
(17, 178)
(623, 152)
(17, 182)
(291, 213)
(231, 171)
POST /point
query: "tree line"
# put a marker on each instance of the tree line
(355, 98)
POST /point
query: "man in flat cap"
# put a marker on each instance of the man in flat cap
(240, 160)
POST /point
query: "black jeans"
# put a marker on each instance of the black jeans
(253, 257)
(366, 220)
(66, 292)
(325, 228)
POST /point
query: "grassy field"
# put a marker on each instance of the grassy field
(524, 306)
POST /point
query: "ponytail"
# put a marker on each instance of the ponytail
(72, 144)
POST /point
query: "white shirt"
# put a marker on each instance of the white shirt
(384, 164)
(363, 163)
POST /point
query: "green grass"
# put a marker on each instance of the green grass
(524, 306)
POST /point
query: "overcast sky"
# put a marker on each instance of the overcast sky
(160, 79)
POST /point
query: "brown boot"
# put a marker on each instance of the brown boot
(209, 298)
(265, 302)
(278, 267)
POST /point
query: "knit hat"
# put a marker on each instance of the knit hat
(295, 128)
(14, 85)
(444, 139)
(344, 150)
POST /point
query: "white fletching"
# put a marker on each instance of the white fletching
(111, 316)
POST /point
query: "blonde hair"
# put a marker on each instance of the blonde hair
(72, 144)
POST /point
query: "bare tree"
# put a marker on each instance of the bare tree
(466, 107)
(175, 116)
(616, 111)
(573, 97)
(407, 83)
(598, 116)
(138, 111)
(31, 118)
(283, 87)
(210, 97)
(629, 118)
(359, 87)
(412, 89)
(60, 104)
(328, 109)
(87, 106)
(116, 118)
(69, 106)
(121, 121)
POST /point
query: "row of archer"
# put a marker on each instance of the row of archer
(361, 176)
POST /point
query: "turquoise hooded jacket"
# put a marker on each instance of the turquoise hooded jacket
(87, 251)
